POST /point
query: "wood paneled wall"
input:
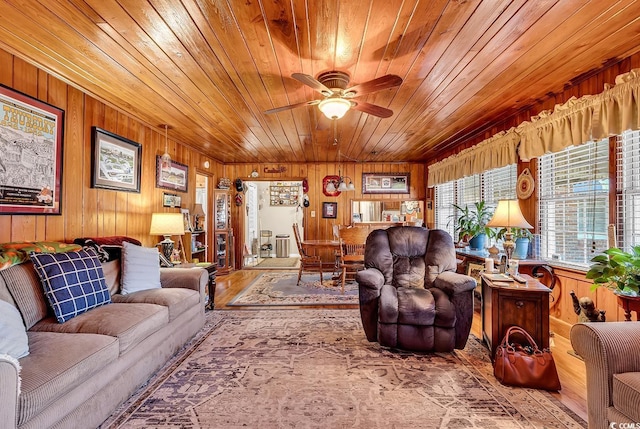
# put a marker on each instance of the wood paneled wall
(317, 227)
(88, 212)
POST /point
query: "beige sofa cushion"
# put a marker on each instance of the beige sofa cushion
(58, 363)
(626, 394)
(176, 300)
(111, 270)
(130, 323)
(25, 288)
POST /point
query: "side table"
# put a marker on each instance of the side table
(505, 304)
(629, 304)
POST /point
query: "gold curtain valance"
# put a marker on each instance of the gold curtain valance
(494, 152)
(579, 120)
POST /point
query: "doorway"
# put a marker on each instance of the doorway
(271, 209)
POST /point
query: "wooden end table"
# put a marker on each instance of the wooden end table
(629, 304)
(505, 304)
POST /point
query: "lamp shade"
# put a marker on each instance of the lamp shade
(198, 210)
(167, 224)
(334, 108)
(508, 215)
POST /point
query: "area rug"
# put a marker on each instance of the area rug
(280, 288)
(277, 263)
(315, 369)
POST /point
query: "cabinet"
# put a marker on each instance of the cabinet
(505, 304)
(195, 245)
(223, 233)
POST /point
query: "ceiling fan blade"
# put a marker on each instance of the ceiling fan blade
(313, 83)
(291, 106)
(383, 82)
(372, 109)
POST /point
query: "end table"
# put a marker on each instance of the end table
(505, 304)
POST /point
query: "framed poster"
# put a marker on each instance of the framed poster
(329, 210)
(115, 162)
(174, 178)
(385, 183)
(171, 200)
(31, 147)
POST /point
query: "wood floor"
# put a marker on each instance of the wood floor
(570, 368)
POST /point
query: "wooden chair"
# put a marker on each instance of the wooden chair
(352, 241)
(311, 263)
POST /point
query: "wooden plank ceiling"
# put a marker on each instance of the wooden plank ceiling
(210, 68)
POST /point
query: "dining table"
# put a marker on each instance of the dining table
(313, 246)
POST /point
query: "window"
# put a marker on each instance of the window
(490, 186)
(573, 211)
(444, 211)
(628, 189)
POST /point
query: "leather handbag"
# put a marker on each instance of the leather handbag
(525, 366)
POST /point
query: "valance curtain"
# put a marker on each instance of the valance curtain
(591, 117)
(494, 152)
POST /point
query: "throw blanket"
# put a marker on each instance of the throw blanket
(18, 252)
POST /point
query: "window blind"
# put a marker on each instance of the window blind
(499, 184)
(628, 189)
(444, 211)
(573, 213)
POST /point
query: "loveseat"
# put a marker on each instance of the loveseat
(411, 297)
(76, 373)
(611, 352)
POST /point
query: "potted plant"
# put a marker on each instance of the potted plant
(471, 225)
(617, 270)
(522, 237)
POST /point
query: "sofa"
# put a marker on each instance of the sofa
(611, 352)
(77, 372)
(411, 297)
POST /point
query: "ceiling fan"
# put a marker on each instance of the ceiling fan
(338, 99)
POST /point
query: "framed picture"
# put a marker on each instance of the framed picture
(186, 218)
(174, 178)
(115, 162)
(171, 200)
(474, 271)
(31, 160)
(329, 210)
(385, 183)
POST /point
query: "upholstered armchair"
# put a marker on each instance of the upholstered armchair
(411, 297)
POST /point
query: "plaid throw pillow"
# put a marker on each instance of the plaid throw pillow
(73, 282)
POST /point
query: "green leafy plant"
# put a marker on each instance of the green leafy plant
(617, 270)
(471, 222)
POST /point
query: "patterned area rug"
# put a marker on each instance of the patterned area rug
(315, 369)
(277, 263)
(280, 288)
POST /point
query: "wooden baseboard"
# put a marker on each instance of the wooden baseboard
(559, 327)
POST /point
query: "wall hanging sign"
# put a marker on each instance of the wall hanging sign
(174, 178)
(115, 162)
(31, 161)
(525, 184)
(385, 183)
(329, 210)
(284, 194)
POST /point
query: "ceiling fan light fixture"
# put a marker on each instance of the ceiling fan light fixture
(334, 107)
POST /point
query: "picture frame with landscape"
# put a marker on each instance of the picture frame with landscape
(174, 178)
(115, 162)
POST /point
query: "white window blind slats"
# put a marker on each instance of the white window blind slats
(573, 206)
(628, 189)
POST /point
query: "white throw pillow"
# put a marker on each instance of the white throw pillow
(13, 340)
(140, 268)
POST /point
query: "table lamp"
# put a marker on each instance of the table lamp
(198, 216)
(167, 224)
(508, 215)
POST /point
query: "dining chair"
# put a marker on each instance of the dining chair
(310, 263)
(352, 244)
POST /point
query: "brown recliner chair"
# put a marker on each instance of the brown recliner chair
(411, 297)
